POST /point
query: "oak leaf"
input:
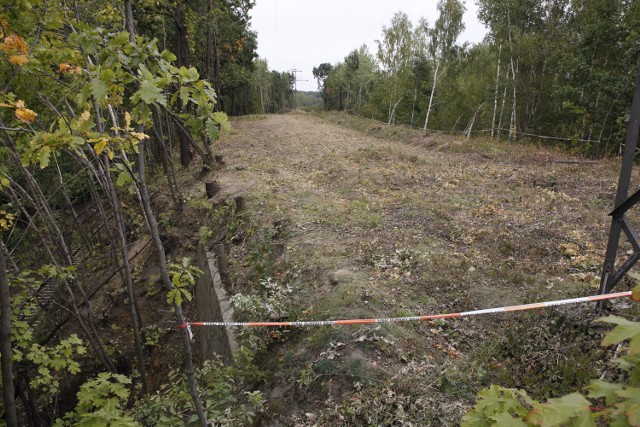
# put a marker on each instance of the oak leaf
(14, 44)
(19, 60)
(25, 115)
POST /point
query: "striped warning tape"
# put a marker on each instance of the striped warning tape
(416, 318)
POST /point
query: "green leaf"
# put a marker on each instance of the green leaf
(474, 418)
(505, 419)
(99, 89)
(44, 157)
(188, 75)
(598, 389)
(120, 39)
(556, 412)
(124, 178)
(624, 330)
(584, 420)
(149, 93)
(633, 414)
(222, 118)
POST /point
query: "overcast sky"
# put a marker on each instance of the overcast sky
(302, 34)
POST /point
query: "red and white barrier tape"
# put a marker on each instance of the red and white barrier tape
(416, 318)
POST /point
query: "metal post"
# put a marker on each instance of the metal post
(618, 221)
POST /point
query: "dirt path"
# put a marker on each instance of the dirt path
(355, 200)
(381, 227)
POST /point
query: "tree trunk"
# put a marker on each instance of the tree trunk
(473, 121)
(261, 98)
(217, 84)
(5, 344)
(209, 50)
(512, 124)
(120, 226)
(413, 105)
(433, 90)
(206, 159)
(391, 98)
(165, 158)
(495, 98)
(88, 326)
(504, 100)
(128, 12)
(393, 110)
(166, 280)
(183, 59)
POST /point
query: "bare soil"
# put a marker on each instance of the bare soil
(386, 222)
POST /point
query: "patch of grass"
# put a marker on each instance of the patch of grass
(547, 353)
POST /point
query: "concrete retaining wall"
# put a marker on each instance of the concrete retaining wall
(212, 305)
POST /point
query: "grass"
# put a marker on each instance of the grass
(387, 222)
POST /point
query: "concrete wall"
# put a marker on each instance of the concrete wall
(212, 305)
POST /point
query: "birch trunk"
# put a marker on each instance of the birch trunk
(433, 90)
(512, 123)
(504, 101)
(495, 98)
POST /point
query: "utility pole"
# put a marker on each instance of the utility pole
(294, 73)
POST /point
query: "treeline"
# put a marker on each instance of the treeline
(216, 38)
(96, 95)
(560, 68)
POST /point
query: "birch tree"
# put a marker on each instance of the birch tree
(394, 53)
(442, 44)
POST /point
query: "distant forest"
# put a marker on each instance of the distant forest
(560, 68)
(555, 68)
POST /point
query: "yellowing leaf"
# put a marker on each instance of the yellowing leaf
(65, 68)
(6, 220)
(85, 116)
(14, 43)
(100, 145)
(19, 60)
(127, 120)
(139, 135)
(25, 115)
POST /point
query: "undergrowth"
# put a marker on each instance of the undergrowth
(601, 402)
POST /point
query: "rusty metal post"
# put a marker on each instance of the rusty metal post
(610, 276)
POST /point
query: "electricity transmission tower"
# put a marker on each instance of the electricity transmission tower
(619, 221)
(294, 73)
